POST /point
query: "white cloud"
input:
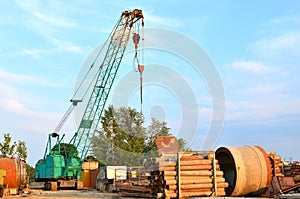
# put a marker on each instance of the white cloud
(275, 109)
(263, 89)
(49, 17)
(34, 53)
(67, 46)
(160, 21)
(286, 19)
(50, 24)
(15, 105)
(55, 21)
(20, 110)
(27, 4)
(287, 42)
(13, 77)
(255, 67)
(7, 78)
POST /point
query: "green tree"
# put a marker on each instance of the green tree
(21, 150)
(156, 128)
(18, 150)
(182, 145)
(7, 150)
(30, 172)
(122, 139)
(65, 149)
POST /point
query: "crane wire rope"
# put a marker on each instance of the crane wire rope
(71, 106)
(137, 53)
(92, 65)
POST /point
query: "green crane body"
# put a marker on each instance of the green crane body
(63, 162)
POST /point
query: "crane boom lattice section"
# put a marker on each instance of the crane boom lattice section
(106, 75)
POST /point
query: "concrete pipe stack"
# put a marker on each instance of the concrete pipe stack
(247, 169)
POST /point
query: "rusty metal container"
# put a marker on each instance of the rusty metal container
(16, 175)
(247, 170)
(166, 144)
(94, 174)
(89, 178)
(86, 178)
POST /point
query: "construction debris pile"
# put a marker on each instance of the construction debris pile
(230, 171)
(135, 189)
(178, 175)
(292, 169)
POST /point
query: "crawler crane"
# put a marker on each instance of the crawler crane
(61, 165)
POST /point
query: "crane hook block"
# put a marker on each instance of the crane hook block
(136, 39)
(141, 68)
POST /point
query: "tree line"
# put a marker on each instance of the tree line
(15, 149)
(123, 139)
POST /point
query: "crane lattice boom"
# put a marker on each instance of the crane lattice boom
(107, 74)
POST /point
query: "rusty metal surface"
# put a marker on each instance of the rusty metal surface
(279, 184)
(15, 172)
(247, 169)
(269, 167)
(166, 144)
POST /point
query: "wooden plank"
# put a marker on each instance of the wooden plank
(196, 162)
(193, 173)
(170, 195)
(195, 181)
(190, 194)
(167, 164)
(208, 185)
(184, 158)
(178, 175)
(167, 168)
(135, 194)
(133, 188)
(198, 167)
(197, 186)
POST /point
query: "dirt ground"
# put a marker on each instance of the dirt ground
(64, 194)
(94, 194)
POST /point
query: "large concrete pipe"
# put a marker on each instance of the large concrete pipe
(247, 170)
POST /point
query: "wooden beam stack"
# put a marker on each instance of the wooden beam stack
(157, 177)
(193, 175)
(199, 175)
(277, 165)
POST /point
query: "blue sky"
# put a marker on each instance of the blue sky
(255, 46)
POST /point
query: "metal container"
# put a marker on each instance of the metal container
(86, 178)
(247, 170)
(166, 144)
(16, 175)
(94, 174)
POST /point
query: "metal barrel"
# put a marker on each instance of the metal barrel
(15, 172)
(247, 170)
